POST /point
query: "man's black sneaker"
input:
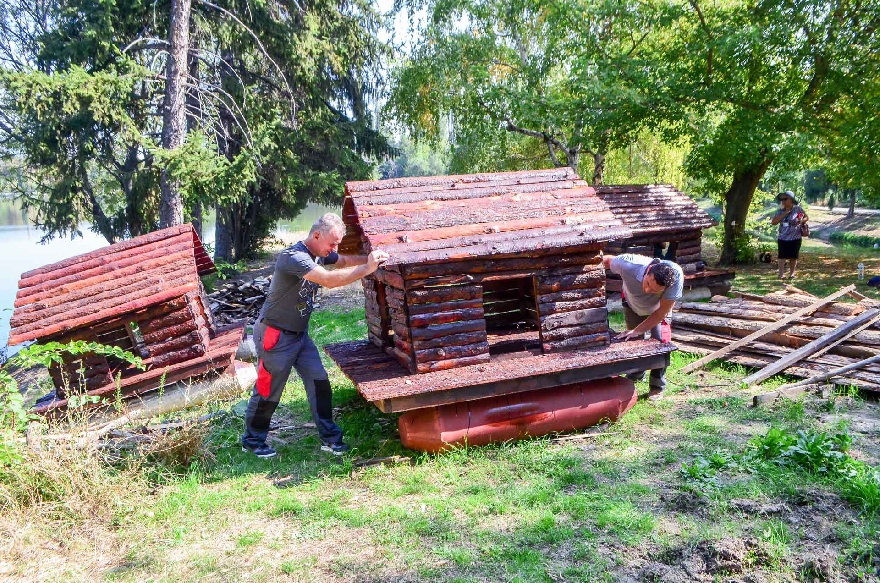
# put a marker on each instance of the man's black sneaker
(338, 448)
(261, 451)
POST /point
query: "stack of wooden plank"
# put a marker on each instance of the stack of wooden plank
(704, 328)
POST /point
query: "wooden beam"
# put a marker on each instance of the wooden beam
(790, 392)
(831, 373)
(834, 337)
(767, 329)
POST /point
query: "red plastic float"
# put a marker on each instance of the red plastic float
(517, 415)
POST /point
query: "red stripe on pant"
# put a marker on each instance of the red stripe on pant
(264, 377)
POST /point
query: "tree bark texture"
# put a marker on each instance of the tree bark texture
(174, 114)
(737, 201)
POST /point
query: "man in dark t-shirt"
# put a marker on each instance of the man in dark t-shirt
(281, 332)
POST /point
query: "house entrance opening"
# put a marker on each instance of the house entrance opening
(511, 315)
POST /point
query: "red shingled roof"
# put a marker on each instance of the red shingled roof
(654, 208)
(107, 283)
(438, 218)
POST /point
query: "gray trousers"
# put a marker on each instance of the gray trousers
(657, 380)
(279, 352)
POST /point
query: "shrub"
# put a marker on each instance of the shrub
(846, 238)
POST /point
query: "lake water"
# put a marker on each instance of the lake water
(22, 251)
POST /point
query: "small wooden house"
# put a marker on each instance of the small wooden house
(495, 296)
(482, 264)
(143, 295)
(665, 223)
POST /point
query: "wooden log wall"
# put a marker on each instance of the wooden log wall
(447, 327)
(702, 328)
(176, 336)
(687, 248)
(164, 334)
(571, 307)
(378, 320)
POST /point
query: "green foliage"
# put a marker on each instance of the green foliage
(82, 113)
(515, 102)
(847, 238)
(825, 456)
(703, 470)
(14, 417)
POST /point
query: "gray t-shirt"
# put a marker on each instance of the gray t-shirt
(631, 269)
(291, 298)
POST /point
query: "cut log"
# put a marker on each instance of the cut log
(437, 330)
(453, 363)
(451, 352)
(422, 320)
(451, 340)
(769, 328)
(577, 342)
(573, 318)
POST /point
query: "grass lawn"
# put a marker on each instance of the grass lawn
(676, 491)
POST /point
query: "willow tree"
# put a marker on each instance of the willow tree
(273, 107)
(564, 75)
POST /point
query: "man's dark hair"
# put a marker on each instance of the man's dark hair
(663, 274)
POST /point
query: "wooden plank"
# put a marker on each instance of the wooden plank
(830, 339)
(769, 328)
(831, 373)
(538, 381)
(547, 309)
(571, 331)
(789, 392)
(418, 309)
(443, 294)
(451, 340)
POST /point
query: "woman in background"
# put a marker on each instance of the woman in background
(789, 217)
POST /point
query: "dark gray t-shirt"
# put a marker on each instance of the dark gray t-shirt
(291, 298)
(631, 269)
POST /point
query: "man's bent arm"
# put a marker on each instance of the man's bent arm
(337, 277)
(350, 261)
(655, 318)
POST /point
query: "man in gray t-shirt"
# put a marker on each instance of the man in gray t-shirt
(650, 289)
(281, 332)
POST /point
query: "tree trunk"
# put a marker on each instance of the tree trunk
(225, 226)
(573, 157)
(852, 204)
(193, 117)
(174, 114)
(223, 235)
(598, 168)
(737, 201)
